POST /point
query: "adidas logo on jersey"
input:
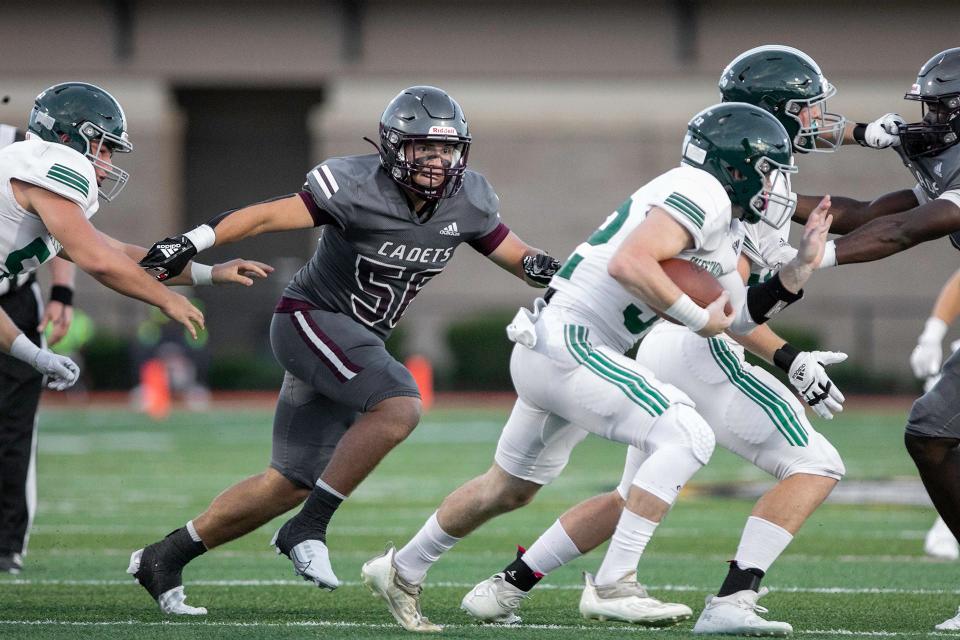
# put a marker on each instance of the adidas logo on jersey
(450, 230)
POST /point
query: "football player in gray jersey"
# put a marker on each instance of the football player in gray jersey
(899, 220)
(391, 223)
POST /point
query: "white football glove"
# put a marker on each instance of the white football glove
(61, 371)
(927, 356)
(883, 132)
(808, 376)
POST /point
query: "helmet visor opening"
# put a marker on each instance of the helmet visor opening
(431, 161)
(936, 131)
(776, 201)
(111, 179)
(820, 130)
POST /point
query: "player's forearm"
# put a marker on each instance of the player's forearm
(62, 273)
(644, 278)
(947, 306)
(762, 342)
(8, 331)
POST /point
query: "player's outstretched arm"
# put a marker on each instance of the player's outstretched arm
(927, 356)
(58, 312)
(894, 233)
(849, 214)
(168, 257)
(805, 369)
(636, 266)
(533, 266)
(881, 133)
(85, 247)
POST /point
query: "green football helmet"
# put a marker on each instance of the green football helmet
(785, 81)
(749, 152)
(85, 118)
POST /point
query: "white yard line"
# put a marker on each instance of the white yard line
(370, 625)
(469, 585)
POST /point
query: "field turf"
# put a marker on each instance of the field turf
(111, 481)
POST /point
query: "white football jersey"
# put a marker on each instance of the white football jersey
(692, 197)
(25, 242)
(768, 249)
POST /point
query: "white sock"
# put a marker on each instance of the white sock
(553, 549)
(761, 544)
(629, 540)
(417, 556)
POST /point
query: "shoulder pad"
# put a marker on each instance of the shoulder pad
(480, 193)
(57, 168)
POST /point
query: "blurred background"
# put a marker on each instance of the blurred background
(572, 105)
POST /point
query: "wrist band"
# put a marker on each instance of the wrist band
(202, 237)
(688, 312)
(23, 349)
(202, 274)
(784, 356)
(62, 294)
(933, 330)
(859, 134)
(829, 258)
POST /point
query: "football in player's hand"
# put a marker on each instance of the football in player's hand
(695, 281)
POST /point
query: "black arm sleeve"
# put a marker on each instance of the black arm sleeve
(769, 298)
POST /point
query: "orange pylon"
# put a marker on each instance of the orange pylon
(156, 389)
(422, 372)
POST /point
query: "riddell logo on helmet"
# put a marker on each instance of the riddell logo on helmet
(915, 89)
(442, 131)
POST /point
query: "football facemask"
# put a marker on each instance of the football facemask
(433, 167)
(937, 131)
(775, 203)
(115, 178)
(823, 132)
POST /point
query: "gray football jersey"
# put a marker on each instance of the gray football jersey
(935, 176)
(376, 255)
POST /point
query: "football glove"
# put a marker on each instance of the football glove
(883, 132)
(61, 371)
(927, 356)
(538, 269)
(808, 376)
(169, 257)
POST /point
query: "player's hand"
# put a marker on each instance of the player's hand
(538, 269)
(169, 257)
(808, 376)
(795, 273)
(61, 371)
(927, 356)
(240, 271)
(719, 318)
(884, 131)
(58, 316)
(180, 309)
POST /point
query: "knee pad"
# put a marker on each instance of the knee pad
(679, 444)
(819, 458)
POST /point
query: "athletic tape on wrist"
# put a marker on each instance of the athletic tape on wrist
(829, 258)
(933, 330)
(202, 237)
(688, 312)
(202, 274)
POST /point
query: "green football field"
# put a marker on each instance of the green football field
(111, 481)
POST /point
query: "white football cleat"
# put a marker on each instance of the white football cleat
(402, 598)
(494, 601)
(171, 601)
(627, 601)
(953, 624)
(736, 614)
(311, 561)
(940, 542)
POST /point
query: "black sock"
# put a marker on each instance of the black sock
(740, 580)
(318, 509)
(179, 548)
(520, 575)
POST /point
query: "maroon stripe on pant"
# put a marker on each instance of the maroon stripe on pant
(333, 346)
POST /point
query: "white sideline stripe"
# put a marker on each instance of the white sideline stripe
(318, 343)
(470, 585)
(322, 183)
(329, 174)
(374, 625)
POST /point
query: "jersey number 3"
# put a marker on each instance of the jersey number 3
(379, 281)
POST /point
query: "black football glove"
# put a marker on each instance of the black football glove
(538, 269)
(169, 257)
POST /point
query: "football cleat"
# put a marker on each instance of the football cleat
(953, 624)
(311, 559)
(627, 601)
(494, 601)
(736, 614)
(164, 584)
(12, 564)
(403, 598)
(940, 543)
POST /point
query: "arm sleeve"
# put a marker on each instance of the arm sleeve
(327, 184)
(488, 243)
(64, 172)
